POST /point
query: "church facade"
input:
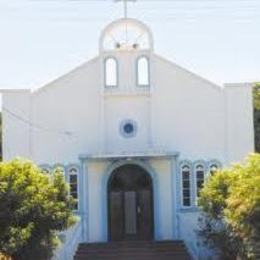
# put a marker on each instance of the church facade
(136, 135)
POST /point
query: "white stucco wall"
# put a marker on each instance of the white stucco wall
(179, 112)
(187, 112)
(239, 121)
(16, 132)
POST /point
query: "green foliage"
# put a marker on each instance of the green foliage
(256, 96)
(33, 208)
(1, 136)
(230, 201)
(256, 99)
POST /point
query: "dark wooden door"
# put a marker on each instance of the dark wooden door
(131, 215)
(145, 215)
(116, 217)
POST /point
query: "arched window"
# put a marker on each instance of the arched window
(200, 177)
(73, 184)
(111, 72)
(213, 167)
(186, 185)
(143, 72)
(45, 169)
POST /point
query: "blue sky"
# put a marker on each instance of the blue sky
(43, 39)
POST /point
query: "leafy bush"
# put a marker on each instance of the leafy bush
(33, 207)
(256, 99)
(230, 201)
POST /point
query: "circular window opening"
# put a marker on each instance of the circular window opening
(128, 128)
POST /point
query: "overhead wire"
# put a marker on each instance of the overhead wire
(36, 126)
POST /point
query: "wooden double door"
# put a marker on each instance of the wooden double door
(130, 199)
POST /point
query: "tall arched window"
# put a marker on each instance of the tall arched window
(73, 184)
(111, 72)
(213, 167)
(143, 72)
(200, 177)
(186, 185)
(45, 168)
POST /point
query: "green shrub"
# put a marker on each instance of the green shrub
(230, 201)
(33, 208)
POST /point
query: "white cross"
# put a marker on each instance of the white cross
(125, 5)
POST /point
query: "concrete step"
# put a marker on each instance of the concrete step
(133, 250)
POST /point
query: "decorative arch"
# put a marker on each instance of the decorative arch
(46, 168)
(213, 165)
(111, 38)
(61, 166)
(110, 169)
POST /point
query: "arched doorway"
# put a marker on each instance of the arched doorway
(130, 204)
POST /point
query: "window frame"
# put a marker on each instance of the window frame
(195, 171)
(213, 163)
(46, 168)
(182, 165)
(148, 71)
(68, 170)
(116, 72)
(122, 130)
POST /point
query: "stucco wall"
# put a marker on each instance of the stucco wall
(65, 117)
(16, 132)
(239, 121)
(191, 117)
(178, 112)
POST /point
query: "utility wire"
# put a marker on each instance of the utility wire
(38, 127)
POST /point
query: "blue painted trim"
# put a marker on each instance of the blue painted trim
(188, 210)
(195, 164)
(46, 166)
(181, 164)
(213, 162)
(72, 165)
(137, 69)
(85, 199)
(62, 166)
(146, 166)
(174, 177)
(193, 187)
(81, 197)
(59, 165)
(86, 196)
(67, 169)
(105, 72)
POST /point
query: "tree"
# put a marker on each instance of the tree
(230, 201)
(256, 101)
(1, 143)
(33, 207)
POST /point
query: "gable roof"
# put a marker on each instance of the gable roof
(214, 85)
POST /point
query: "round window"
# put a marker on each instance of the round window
(128, 128)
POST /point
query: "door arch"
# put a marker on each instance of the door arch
(130, 204)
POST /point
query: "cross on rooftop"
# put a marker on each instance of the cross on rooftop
(125, 6)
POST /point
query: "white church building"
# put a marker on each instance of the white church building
(136, 135)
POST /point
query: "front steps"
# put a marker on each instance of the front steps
(133, 250)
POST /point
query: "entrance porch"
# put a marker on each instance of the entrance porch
(129, 197)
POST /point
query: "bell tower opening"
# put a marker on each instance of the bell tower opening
(126, 34)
